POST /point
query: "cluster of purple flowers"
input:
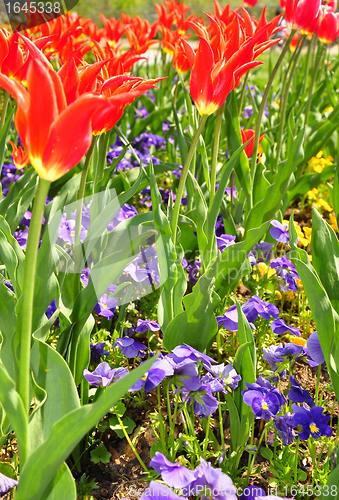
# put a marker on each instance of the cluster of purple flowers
(248, 109)
(287, 272)
(181, 366)
(252, 308)
(142, 144)
(10, 174)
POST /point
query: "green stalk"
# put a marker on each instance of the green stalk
(131, 444)
(308, 61)
(284, 99)
(242, 95)
(204, 451)
(314, 79)
(161, 423)
(215, 152)
(222, 437)
(264, 101)
(296, 462)
(28, 293)
(182, 182)
(102, 158)
(317, 385)
(4, 110)
(77, 231)
(251, 462)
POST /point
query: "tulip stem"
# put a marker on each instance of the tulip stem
(215, 152)
(263, 104)
(78, 219)
(243, 90)
(4, 110)
(131, 444)
(182, 182)
(284, 98)
(314, 79)
(28, 295)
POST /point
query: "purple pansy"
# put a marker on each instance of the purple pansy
(290, 351)
(160, 369)
(194, 271)
(314, 350)
(97, 350)
(210, 480)
(130, 348)
(251, 492)
(158, 491)
(104, 375)
(279, 232)
(6, 484)
(145, 324)
(255, 307)
(185, 351)
(313, 422)
(299, 395)
(106, 306)
(284, 426)
(224, 241)
(264, 398)
(227, 375)
(279, 327)
(21, 236)
(173, 474)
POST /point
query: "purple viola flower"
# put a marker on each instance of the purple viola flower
(264, 398)
(158, 491)
(104, 375)
(286, 271)
(229, 320)
(126, 212)
(251, 492)
(270, 356)
(21, 237)
(299, 395)
(160, 369)
(279, 232)
(284, 426)
(194, 271)
(141, 113)
(173, 474)
(106, 306)
(255, 307)
(313, 350)
(10, 175)
(204, 403)
(263, 405)
(289, 351)
(224, 241)
(313, 422)
(67, 230)
(97, 350)
(219, 226)
(185, 372)
(228, 192)
(9, 285)
(182, 352)
(146, 324)
(227, 374)
(208, 480)
(263, 248)
(84, 276)
(130, 348)
(50, 311)
(6, 484)
(279, 327)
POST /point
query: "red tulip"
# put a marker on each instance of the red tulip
(20, 157)
(314, 26)
(299, 14)
(328, 30)
(55, 135)
(246, 136)
(250, 3)
(294, 42)
(332, 5)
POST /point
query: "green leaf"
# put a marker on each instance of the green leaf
(234, 256)
(325, 248)
(200, 216)
(266, 453)
(197, 317)
(129, 425)
(62, 486)
(7, 470)
(306, 183)
(45, 461)
(53, 376)
(12, 256)
(332, 482)
(100, 454)
(118, 409)
(12, 403)
(11, 203)
(235, 428)
(267, 207)
(4, 134)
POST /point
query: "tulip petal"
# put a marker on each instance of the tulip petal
(43, 109)
(70, 138)
(200, 81)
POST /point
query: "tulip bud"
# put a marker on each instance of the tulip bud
(250, 3)
(299, 14)
(328, 30)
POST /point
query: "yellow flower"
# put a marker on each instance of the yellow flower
(333, 222)
(317, 163)
(296, 340)
(329, 108)
(278, 295)
(322, 203)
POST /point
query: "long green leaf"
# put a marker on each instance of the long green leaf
(45, 461)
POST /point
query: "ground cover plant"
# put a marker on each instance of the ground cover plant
(169, 309)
